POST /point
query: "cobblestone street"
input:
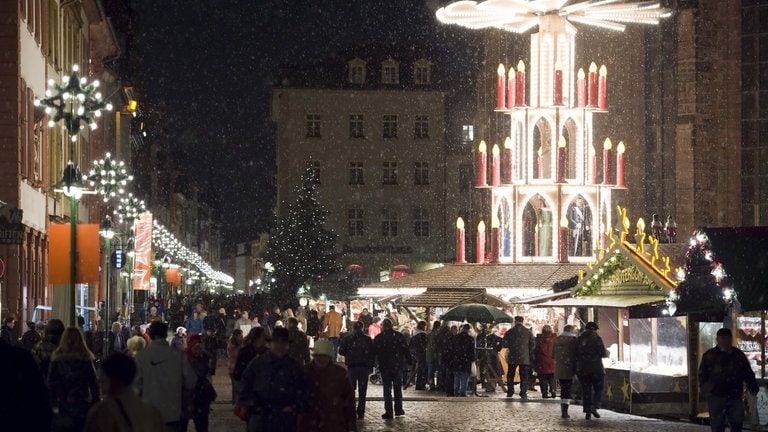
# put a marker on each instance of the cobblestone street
(426, 412)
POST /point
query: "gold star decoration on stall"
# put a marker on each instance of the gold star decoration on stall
(641, 387)
(676, 386)
(609, 391)
(625, 390)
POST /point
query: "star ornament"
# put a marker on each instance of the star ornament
(519, 16)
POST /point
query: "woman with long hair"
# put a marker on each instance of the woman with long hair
(254, 345)
(204, 393)
(233, 349)
(72, 382)
(44, 349)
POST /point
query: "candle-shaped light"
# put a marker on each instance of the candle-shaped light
(601, 88)
(501, 87)
(511, 87)
(461, 251)
(592, 165)
(480, 252)
(581, 90)
(620, 164)
(539, 164)
(495, 239)
(558, 90)
(495, 165)
(482, 164)
(506, 162)
(562, 158)
(520, 77)
(562, 241)
(640, 236)
(592, 89)
(607, 161)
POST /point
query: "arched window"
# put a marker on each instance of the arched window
(537, 228)
(581, 225)
(542, 147)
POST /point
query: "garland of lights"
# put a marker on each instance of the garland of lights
(75, 101)
(165, 240)
(700, 260)
(108, 177)
(129, 209)
(614, 268)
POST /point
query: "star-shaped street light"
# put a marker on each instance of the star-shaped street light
(129, 209)
(519, 16)
(108, 177)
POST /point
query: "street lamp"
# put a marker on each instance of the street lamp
(75, 103)
(128, 211)
(107, 232)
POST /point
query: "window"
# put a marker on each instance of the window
(421, 173)
(388, 223)
(467, 134)
(421, 127)
(356, 126)
(422, 72)
(390, 73)
(313, 125)
(390, 126)
(355, 222)
(420, 222)
(356, 74)
(356, 173)
(389, 174)
(313, 167)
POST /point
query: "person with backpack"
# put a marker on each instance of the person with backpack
(357, 349)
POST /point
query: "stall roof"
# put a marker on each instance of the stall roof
(451, 297)
(617, 301)
(743, 252)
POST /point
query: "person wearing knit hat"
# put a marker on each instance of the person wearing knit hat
(332, 407)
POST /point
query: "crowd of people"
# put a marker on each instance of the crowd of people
(301, 371)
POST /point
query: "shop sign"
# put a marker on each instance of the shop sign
(11, 229)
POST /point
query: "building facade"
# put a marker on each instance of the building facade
(374, 126)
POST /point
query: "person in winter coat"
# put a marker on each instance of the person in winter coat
(299, 348)
(7, 332)
(72, 382)
(233, 349)
(723, 372)
(520, 345)
(24, 403)
(418, 348)
(254, 345)
(313, 325)
(366, 318)
(357, 349)
(122, 410)
(31, 337)
(564, 354)
(163, 373)
(463, 353)
(544, 364)
(332, 406)
(117, 340)
(332, 323)
(392, 355)
(194, 324)
(432, 356)
(44, 349)
(590, 351)
(203, 394)
(275, 388)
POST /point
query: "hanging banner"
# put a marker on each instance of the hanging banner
(142, 267)
(173, 277)
(87, 264)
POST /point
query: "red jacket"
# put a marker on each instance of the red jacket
(544, 363)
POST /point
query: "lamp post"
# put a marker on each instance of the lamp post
(75, 102)
(107, 232)
(128, 211)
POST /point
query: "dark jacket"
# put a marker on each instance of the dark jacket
(391, 351)
(29, 339)
(519, 341)
(244, 357)
(313, 326)
(589, 355)
(74, 389)
(463, 352)
(418, 346)
(24, 403)
(201, 403)
(299, 348)
(43, 350)
(357, 349)
(366, 321)
(723, 373)
(564, 353)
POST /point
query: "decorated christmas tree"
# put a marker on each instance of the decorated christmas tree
(301, 250)
(704, 285)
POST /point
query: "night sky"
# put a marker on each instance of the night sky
(210, 65)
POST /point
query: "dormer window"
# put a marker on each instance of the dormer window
(390, 72)
(356, 68)
(422, 72)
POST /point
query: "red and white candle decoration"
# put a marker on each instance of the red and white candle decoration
(495, 239)
(620, 164)
(602, 90)
(461, 251)
(607, 161)
(581, 90)
(507, 162)
(562, 241)
(511, 88)
(482, 164)
(480, 252)
(520, 78)
(539, 164)
(562, 159)
(501, 88)
(558, 89)
(592, 89)
(592, 165)
(495, 166)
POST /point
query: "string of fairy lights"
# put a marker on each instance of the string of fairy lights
(165, 240)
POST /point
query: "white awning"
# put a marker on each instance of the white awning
(618, 301)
